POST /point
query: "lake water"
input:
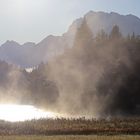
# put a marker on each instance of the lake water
(15, 113)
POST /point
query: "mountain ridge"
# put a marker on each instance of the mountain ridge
(32, 54)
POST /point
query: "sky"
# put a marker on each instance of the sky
(33, 20)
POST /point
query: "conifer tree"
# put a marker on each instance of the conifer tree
(83, 35)
(115, 33)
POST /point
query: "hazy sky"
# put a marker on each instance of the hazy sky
(33, 20)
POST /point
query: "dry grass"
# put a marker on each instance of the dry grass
(70, 138)
(79, 126)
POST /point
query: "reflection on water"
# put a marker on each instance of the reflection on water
(15, 113)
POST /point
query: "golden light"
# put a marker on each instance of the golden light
(15, 113)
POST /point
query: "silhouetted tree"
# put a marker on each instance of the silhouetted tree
(128, 37)
(133, 37)
(115, 33)
(101, 37)
(83, 35)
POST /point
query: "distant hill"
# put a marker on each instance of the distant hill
(31, 54)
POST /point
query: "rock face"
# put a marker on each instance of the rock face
(31, 54)
(100, 20)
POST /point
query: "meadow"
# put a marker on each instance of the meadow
(80, 126)
(124, 137)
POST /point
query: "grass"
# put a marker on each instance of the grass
(81, 126)
(70, 137)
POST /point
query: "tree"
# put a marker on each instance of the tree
(101, 37)
(115, 33)
(128, 37)
(133, 37)
(83, 35)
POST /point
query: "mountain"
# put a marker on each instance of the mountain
(31, 54)
(101, 20)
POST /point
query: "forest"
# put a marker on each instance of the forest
(97, 77)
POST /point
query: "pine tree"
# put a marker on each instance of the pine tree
(128, 37)
(133, 37)
(101, 36)
(115, 33)
(83, 35)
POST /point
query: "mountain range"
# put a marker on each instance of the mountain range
(31, 55)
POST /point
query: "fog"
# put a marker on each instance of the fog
(97, 77)
(92, 77)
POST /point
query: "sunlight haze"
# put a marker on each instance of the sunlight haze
(33, 20)
(13, 113)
